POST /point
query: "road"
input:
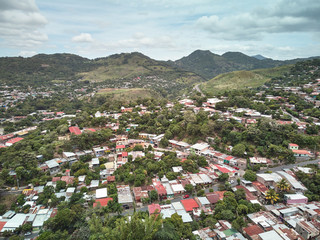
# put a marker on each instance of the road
(292, 117)
(300, 164)
(196, 87)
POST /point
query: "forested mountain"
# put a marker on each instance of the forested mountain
(119, 70)
(209, 65)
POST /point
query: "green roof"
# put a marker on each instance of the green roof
(230, 232)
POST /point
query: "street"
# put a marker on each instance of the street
(300, 164)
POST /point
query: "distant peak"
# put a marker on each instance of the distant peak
(259, 57)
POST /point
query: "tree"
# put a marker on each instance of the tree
(272, 196)
(283, 185)
(238, 150)
(250, 175)
(189, 188)
(154, 195)
(223, 177)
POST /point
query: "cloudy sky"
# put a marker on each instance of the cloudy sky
(161, 29)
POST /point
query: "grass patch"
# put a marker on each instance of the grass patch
(242, 79)
(127, 94)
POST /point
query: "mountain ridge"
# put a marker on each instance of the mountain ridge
(209, 65)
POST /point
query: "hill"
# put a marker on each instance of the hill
(242, 79)
(127, 94)
(131, 70)
(209, 65)
(41, 69)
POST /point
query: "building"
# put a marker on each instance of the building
(101, 193)
(189, 204)
(293, 146)
(75, 130)
(295, 198)
(198, 148)
(307, 230)
(103, 202)
(154, 208)
(124, 196)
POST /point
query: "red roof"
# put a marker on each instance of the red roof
(103, 202)
(212, 197)
(253, 230)
(228, 158)
(111, 178)
(67, 179)
(262, 188)
(293, 145)
(6, 137)
(221, 194)
(153, 207)
(91, 129)
(75, 130)
(304, 152)
(2, 225)
(223, 169)
(15, 140)
(2, 146)
(124, 154)
(249, 195)
(55, 179)
(120, 146)
(189, 204)
(161, 189)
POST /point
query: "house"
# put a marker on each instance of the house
(124, 196)
(198, 148)
(103, 202)
(13, 141)
(301, 153)
(268, 179)
(13, 223)
(307, 230)
(75, 130)
(252, 231)
(100, 151)
(293, 146)
(213, 198)
(189, 204)
(295, 198)
(70, 191)
(67, 179)
(154, 208)
(202, 202)
(53, 166)
(295, 184)
(120, 148)
(95, 162)
(94, 184)
(101, 193)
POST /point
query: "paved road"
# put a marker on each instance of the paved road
(300, 164)
(196, 87)
(292, 117)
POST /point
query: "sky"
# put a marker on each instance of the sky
(160, 29)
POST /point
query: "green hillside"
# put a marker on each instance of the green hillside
(242, 79)
(210, 65)
(127, 95)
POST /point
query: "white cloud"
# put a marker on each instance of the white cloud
(283, 17)
(27, 53)
(21, 23)
(83, 38)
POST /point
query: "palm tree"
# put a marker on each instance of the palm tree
(283, 185)
(272, 196)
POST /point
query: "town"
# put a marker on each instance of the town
(182, 159)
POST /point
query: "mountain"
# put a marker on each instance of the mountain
(133, 70)
(259, 57)
(209, 65)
